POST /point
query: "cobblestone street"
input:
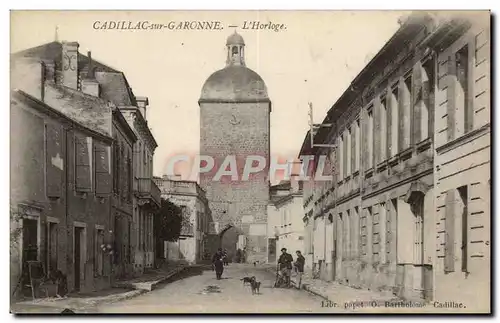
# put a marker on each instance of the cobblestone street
(200, 292)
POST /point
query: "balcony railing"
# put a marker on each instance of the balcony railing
(146, 188)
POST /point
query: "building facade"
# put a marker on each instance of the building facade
(462, 135)
(234, 124)
(90, 93)
(61, 204)
(285, 213)
(123, 196)
(375, 225)
(146, 199)
(192, 245)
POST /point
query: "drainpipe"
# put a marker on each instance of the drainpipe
(66, 208)
(324, 224)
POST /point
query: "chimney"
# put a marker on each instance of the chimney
(90, 72)
(50, 70)
(70, 64)
(89, 83)
(142, 104)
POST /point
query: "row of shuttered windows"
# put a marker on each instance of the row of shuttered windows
(92, 160)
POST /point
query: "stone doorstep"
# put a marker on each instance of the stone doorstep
(149, 285)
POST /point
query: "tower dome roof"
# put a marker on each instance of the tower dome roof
(234, 83)
(235, 39)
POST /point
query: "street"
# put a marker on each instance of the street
(199, 292)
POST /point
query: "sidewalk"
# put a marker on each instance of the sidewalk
(120, 291)
(337, 293)
(355, 300)
(342, 294)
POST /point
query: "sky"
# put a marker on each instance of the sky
(313, 60)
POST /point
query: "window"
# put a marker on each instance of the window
(394, 126)
(54, 162)
(129, 177)
(83, 163)
(102, 169)
(426, 99)
(116, 167)
(463, 108)
(383, 130)
(370, 139)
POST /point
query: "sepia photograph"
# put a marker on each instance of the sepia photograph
(250, 162)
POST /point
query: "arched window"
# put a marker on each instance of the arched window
(234, 51)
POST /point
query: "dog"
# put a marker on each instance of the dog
(247, 279)
(255, 286)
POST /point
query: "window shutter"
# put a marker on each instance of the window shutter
(389, 102)
(376, 133)
(364, 141)
(102, 170)
(83, 181)
(353, 148)
(428, 94)
(130, 178)
(450, 96)
(417, 101)
(404, 98)
(54, 159)
(344, 154)
(449, 247)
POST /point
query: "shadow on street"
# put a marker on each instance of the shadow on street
(186, 273)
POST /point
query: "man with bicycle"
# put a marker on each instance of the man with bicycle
(285, 265)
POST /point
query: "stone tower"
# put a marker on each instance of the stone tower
(234, 120)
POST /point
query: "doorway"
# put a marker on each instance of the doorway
(229, 242)
(272, 250)
(417, 208)
(78, 256)
(30, 245)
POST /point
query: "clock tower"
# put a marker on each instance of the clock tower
(234, 121)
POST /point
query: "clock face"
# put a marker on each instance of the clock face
(233, 120)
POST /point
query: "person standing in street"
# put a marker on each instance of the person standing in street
(285, 265)
(299, 267)
(218, 263)
(225, 262)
